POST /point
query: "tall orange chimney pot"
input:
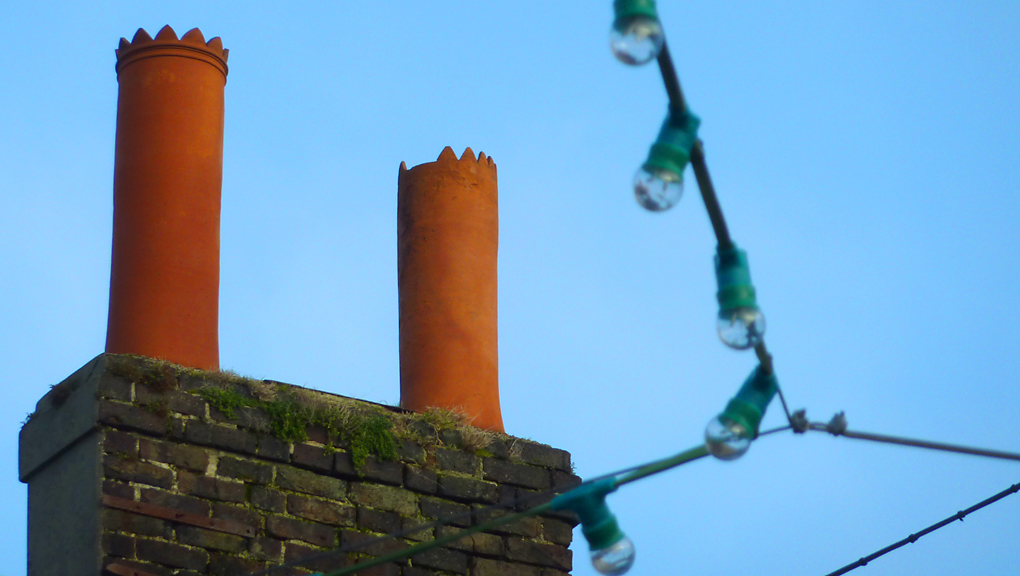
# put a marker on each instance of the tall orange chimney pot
(447, 241)
(164, 281)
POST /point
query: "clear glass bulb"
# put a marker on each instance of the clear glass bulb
(658, 190)
(615, 559)
(741, 328)
(638, 41)
(726, 439)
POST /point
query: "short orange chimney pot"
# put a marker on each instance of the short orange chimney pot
(168, 170)
(447, 241)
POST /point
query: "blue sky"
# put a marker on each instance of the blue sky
(866, 155)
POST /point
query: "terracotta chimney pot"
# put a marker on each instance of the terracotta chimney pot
(448, 237)
(164, 281)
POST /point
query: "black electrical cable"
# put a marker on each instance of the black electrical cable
(913, 537)
(916, 443)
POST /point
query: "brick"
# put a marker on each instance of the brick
(214, 540)
(118, 489)
(416, 571)
(298, 480)
(181, 455)
(118, 545)
(291, 529)
(321, 510)
(442, 559)
(172, 554)
(176, 428)
(267, 499)
(388, 569)
(384, 472)
(189, 404)
(115, 388)
(547, 456)
(212, 488)
(498, 448)
(458, 514)
(239, 514)
(462, 543)
(141, 568)
(227, 565)
(120, 443)
(479, 543)
(552, 572)
(244, 417)
(318, 434)
(420, 480)
(378, 521)
(245, 470)
(457, 461)
(557, 531)
(517, 474)
(487, 567)
(548, 555)
(451, 439)
(421, 536)
(369, 544)
(563, 481)
(529, 498)
(385, 498)
(272, 448)
(423, 430)
(526, 527)
(131, 417)
(146, 395)
(312, 457)
(263, 548)
(467, 489)
(175, 501)
(232, 439)
(128, 470)
(295, 552)
(409, 451)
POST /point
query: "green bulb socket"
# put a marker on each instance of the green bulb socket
(733, 276)
(588, 501)
(625, 10)
(748, 407)
(672, 149)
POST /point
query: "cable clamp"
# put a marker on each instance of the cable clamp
(799, 421)
(837, 425)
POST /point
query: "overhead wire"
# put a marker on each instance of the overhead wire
(913, 537)
(818, 427)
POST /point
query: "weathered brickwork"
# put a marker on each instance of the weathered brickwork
(188, 490)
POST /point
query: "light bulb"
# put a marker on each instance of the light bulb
(614, 559)
(658, 190)
(741, 328)
(636, 40)
(726, 439)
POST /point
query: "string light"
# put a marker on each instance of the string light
(659, 183)
(636, 37)
(729, 435)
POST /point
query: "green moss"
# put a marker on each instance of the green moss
(373, 437)
(363, 428)
(289, 420)
(224, 400)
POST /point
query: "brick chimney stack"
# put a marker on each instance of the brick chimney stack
(164, 281)
(447, 241)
